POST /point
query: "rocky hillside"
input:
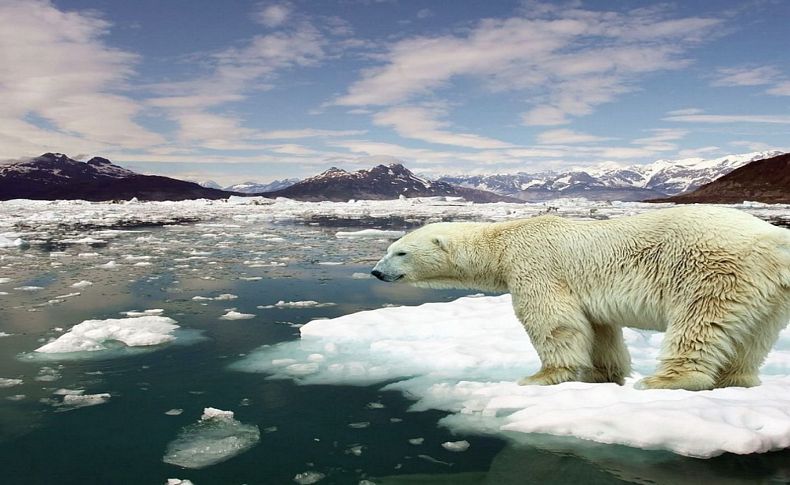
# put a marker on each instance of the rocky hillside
(55, 176)
(765, 180)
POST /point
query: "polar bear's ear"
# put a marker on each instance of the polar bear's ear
(441, 242)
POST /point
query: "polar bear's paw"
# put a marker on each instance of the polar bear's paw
(690, 381)
(737, 380)
(549, 376)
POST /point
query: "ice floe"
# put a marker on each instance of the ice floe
(308, 478)
(5, 382)
(114, 337)
(84, 400)
(81, 284)
(234, 315)
(465, 356)
(216, 437)
(456, 446)
(298, 304)
(369, 233)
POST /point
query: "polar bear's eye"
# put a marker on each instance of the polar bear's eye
(400, 253)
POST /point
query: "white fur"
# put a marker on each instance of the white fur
(716, 280)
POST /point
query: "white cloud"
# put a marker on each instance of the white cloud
(755, 76)
(56, 67)
(422, 123)
(705, 118)
(685, 111)
(662, 138)
(567, 61)
(563, 136)
(306, 133)
(273, 15)
(424, 13)
(781, 89)
(746, 76)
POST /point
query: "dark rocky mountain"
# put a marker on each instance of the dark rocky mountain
(766, 180)
(379, 183)
(611, 181)
(56, 176)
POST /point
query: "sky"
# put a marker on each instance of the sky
(244, 90)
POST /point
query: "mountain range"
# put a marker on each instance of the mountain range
(379, 183)
(612, 182)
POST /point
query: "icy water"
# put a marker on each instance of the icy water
(233, 261)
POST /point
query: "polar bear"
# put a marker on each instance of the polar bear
(716, 280)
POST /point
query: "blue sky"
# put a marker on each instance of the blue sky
(242, 90)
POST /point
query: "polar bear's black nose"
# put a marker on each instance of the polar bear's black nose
(378, 274)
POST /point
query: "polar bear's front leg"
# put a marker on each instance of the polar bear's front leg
(563, 339)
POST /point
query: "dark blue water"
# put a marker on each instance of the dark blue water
(303, 428)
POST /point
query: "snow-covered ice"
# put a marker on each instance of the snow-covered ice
(234, 315)
(84, 400)
(298, 304)
(216, 437)
(465, 357)
(369, 233)
(94, 335)
(6, 382)
(308, 478)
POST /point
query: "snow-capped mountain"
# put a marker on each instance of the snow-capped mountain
(256, 187)
(379, 183)
(209, 184)
(56, 176)
(611, 181)
(766, 180)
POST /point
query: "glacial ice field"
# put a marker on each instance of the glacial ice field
(244, 342)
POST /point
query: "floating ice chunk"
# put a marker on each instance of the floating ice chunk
(234, 315)
(457, 446)
(330, 263)
(84, 400)
(174, 412)
(178, 481)
(360, 425)
(136, 313)
(12, 243)
(29, 288)
(216, 437)
(225, 296)
(416, 441)
(355, 450)
(93, 335)
(369, 233)
(307, 478)
(3, 334)
(4, 382)
(48, 374)
(81, 284)
(375, 405)
(84, 240)
(67, 392)
(5, 280)
(108, 265)
(465, 357)
(361, 276)
(298, 304)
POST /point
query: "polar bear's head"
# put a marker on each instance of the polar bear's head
(423, 257)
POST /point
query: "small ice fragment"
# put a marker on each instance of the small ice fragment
(355, 450)
(396, 420)
(135, 313)
(29, 288)
(298, 304)
(4, 382)
(226, 296)
(361, 276)
(434, 460)
(16, 397)
(330, 263)
(3, 334)
(211, 413)
(216, 437)
(462, 445)
(360, 425)
(69, 392)
(174, 411)
(5, 280)
(270, 429)
(234, 315)
(178, 481)
(417, 441)
(375, 405)
(80, 401)
(47, 374)
(307, 478)
(108, 265)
